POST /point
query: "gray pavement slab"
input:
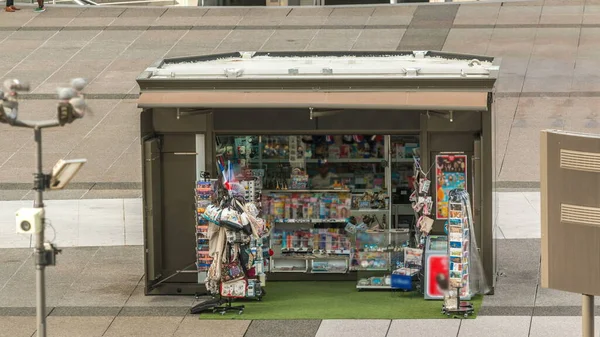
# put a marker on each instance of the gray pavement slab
(90, 311)
(428, 38)
(156, 311)
(22, 293)
(518, 295)
(424, 328)
(17, 326)
(138, 299)
(65, 326)
(514, 326)
(487, 310)
(124, 326)
(292, 328)
(191, 326)
(379, 39)
(334, 39)
(352, 328)
(97, 294)
(557, 326)
(556, 298)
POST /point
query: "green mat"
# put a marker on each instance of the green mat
(335, 300)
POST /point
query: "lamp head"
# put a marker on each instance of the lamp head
(78, 84)
(79, 105)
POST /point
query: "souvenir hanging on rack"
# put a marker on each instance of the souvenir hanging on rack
(424, 184)
(425, 224)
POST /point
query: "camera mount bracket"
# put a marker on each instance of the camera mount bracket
(41, 181)
(47, 257)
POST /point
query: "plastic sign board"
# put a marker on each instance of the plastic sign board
(435, 264)
(570, 217)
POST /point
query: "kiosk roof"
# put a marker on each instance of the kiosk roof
(348, 65)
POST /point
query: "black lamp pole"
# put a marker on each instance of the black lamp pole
(66, 114)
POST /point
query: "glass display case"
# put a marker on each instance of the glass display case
(377, 256)
(308, 232)
(313, 185)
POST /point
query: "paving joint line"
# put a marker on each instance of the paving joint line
(387, 332)
(16, 271)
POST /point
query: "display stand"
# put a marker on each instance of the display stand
(458, 248)
(379, 258)
(454, 306)
(305, 237)
(206, 194)
(234, 224)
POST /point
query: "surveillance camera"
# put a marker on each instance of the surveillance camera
(79, 106)
(15, 85)
(29, 220)
(9, 111)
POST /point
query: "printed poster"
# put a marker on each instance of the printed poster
(450, 174)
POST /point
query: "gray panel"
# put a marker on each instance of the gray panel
(165, 120)
(363, 121)
(461, 121)
(272, 120)
(146, 127)
(152, 210)
(451, 142)
(180, 143)
(434, 16)
(179, 176)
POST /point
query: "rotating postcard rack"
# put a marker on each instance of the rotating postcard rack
(458, 248)
(206, 194)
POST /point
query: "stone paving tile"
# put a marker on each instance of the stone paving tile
(426, 38)
(138, 299)
(557, 326)
(143, 327)
(291, 328)
(508, 295)
(556, 298)
(85, 311)
(64, 326)
(21, 292)
(160, 311)
(352, 328)
(379, 39)
(17, 326)
(97, 294)
(505, 311)
(515, 326)
(191, 326)
(424, 328)
(334, 39)
(469, 41)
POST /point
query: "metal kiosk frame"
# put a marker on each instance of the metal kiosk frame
(445, 99)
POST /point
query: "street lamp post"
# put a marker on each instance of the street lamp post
(71, 106)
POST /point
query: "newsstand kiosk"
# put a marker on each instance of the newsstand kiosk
(374, 111)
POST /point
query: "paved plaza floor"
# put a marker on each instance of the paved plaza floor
(96, 288)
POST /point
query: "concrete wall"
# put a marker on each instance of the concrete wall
(550, 74)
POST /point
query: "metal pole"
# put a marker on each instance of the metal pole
(39, 240)
(587, 315)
